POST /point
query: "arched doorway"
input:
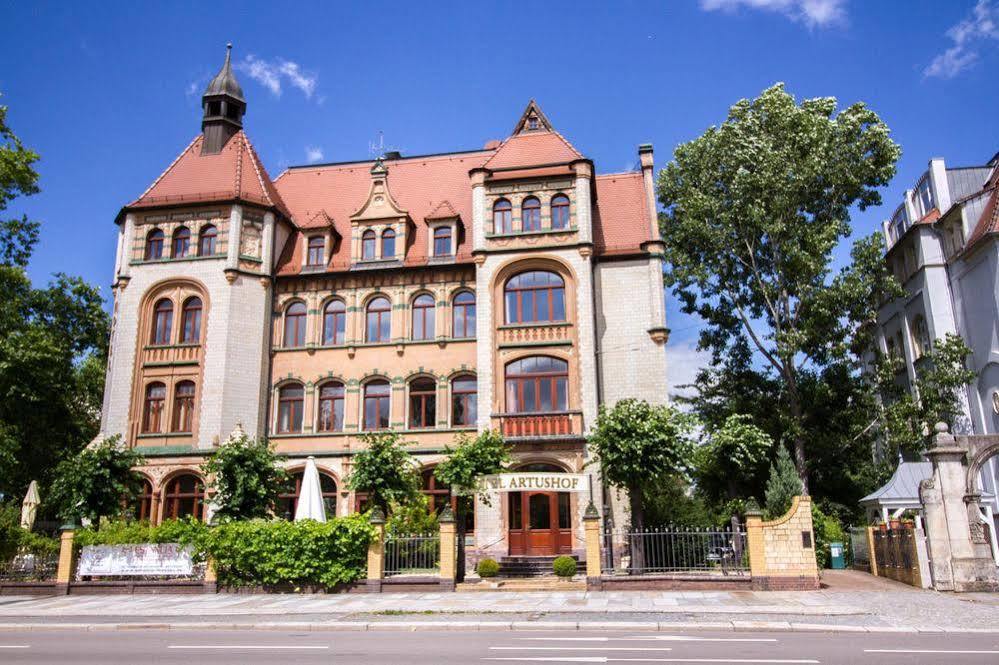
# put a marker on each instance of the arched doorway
(540, 523)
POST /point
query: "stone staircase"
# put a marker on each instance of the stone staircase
(531, 566)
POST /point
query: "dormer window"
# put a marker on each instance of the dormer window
(317, 248)
(442, 241)
(368, 245)
(532, 122)
(924, 196)
(388, 244)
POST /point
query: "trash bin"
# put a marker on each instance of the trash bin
(836, 558)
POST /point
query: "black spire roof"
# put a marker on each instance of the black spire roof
(225, 82)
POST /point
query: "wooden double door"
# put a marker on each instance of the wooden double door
(540, 523)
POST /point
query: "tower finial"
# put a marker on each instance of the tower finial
(224, 107)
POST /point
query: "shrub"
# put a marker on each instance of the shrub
(247, 477)
(565, 566)
(827, 530)
(487, 568)
(414, 517)
(98, 481)
(783, 485)
(187, 531)
(14, 538)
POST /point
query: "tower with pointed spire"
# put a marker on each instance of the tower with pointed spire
(223, 106)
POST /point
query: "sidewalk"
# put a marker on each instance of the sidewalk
(852, 602)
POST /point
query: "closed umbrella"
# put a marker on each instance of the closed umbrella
(310, 498)
(29, 507)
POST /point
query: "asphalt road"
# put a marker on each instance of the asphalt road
(246, 647)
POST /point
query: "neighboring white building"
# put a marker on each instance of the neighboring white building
(943, 246)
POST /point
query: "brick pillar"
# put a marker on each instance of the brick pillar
(211, 581)
(67, 558)
(376, 551)
(872, 555)
(754, 541)
(449, 563)
(591, 529)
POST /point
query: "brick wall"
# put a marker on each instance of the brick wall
(782, 551)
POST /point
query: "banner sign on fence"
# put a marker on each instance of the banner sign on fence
(549, 482)
(164, 560)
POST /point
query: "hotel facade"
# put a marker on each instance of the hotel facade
(509, 288)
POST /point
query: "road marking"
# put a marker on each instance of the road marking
(605, 659)
(238, 647)
(657, 638)
(968, 651)
(15, 646)
(581, 648)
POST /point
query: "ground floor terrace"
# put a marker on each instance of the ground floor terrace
(536, 508)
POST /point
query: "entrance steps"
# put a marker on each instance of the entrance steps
(531, 566)
(546, 583)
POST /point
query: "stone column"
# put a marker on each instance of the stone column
(267, 242)
(376, 551)
(591, 528)
(449, 563)
(234, 239)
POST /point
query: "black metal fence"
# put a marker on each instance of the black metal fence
(30, 566)
(711, 551)
(412, 554)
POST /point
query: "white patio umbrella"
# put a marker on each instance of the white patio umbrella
(29, 507)
(310, 499)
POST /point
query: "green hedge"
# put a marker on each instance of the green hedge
(258, 552)
(13, 538)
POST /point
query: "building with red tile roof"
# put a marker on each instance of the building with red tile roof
(510, 288)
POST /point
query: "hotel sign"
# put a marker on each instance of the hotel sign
(168, 559)
(537, 482)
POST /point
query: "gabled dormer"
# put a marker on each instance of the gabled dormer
(380, 227)
(443, 225)
(320, 241)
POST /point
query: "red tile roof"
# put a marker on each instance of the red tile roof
(533, 149)
(444, 210)
(621, 214)
(235, 173)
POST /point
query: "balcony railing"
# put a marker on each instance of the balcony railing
(540, 424)
(172, 353)
(534, 334)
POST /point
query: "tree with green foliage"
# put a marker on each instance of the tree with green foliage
(384, 470)
(247, 478)
(463, 467)
(753, 210)
(53, 344)
(99, 481)
(783, 485)
(733, 457)
(638, 444)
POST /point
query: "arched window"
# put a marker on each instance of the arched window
(560, 211)
(463, 315)
(537, 296)
(317, 247)
(502, 217)
(368, 245)
(920, 337)
(183, 407)
(184, 497)
(181, 242)
(291, 403)
(422, 403)
(442, 241)
(154, 245)
(206, 241)
(190, 321)
(464, 401)
(288, 500)
(152, 410)
(423, 317)
(376, 405)
(331, 407)
(162, 322)
(388, 244)
(334, 322)
(142, 508)
(537, 384)
(378, 320)
(294, 325)
(530, 214)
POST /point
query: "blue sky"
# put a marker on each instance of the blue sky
(108, 93)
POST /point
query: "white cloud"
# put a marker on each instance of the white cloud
(813, 13)
(313, 154)
(683, 361)
(273, 73)
(981, 25)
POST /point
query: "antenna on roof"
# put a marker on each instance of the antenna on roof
(380, 150)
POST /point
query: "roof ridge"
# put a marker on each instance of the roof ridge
(238, 184)
(167, 169)
(270, 193)
(567, 143)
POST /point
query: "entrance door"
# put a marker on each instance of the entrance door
(540, 523)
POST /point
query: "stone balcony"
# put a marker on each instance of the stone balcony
(517, 335)
(171, 354)
(562, 424)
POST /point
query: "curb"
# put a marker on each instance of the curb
(411, 626)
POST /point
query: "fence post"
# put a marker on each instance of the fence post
(449, 564)
(754, 541)
(67, 558)
(873, 554)
(376, 551)
(591, 526)
(211, 582)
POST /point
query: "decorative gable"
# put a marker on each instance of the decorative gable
(532, 119)
(379, 228)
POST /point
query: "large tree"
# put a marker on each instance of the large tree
(99, 481)
(247, 477)
(753, 210)
(384, 470)
(53, 344)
